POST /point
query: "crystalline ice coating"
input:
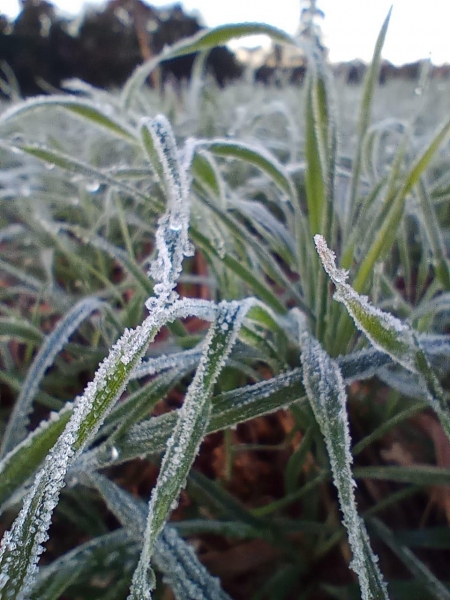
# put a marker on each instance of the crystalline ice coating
(16, 429)
(326, 392)
(192, 423)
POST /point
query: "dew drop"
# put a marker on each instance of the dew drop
(92, 186)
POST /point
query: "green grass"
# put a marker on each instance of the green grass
(106, 207)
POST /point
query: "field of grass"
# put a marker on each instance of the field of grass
(224, 339)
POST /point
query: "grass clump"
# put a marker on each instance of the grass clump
(237, 213)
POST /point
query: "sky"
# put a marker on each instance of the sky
(418, 29)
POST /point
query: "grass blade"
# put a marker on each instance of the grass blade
(187, 435)
(204, 40)
(387, 334)
(369, 85)
(181, 568)
(53, 344)
(258, 157)
(83, 108)
(326, 393)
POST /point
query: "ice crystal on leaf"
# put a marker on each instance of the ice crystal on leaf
(325, 389)
(388, 334)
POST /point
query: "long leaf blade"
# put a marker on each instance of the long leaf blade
(326, 393)
(387, 334)
(186, 437)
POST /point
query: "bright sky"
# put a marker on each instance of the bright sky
(418, 28)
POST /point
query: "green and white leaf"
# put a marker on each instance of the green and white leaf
(326, 393)
(387, 333)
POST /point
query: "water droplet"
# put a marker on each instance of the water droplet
(92, 186)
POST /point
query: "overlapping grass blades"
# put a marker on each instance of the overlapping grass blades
(252, 218)
(16, 429)
(189, 431)
(187, 577)
(22, 545)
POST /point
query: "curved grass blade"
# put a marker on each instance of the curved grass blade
(53, 344)
(387, 334)
(22, 545)
(204, 40)
(258, 157)
(33, 283)
(326, 393)
(67, 162)
(15, 328)
(183, 444)
(83, 108)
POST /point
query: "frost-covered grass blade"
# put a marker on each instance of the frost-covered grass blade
(187, 577)
(183, 444)
(387, 333)
(326, 393)
(16, 429)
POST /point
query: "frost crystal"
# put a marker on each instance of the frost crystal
(172, 240)
(387, 334)
(325, 389)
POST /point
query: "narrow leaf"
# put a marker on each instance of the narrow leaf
(181, 568)
(53, 344)
(326, 393)
(183, 444)
(387, 334)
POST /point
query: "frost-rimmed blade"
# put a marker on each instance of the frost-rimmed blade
(385, 236)
(83, 108)
(181, 568)
(53, 344)
(21, 462)
(242, 404)
(386, 333)
(187, 435)
(82, 563)
(22, 545)
(172, 237)
(258, 157)
(150, 437)
(204, 40)
(73, 165)
(326, 393)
